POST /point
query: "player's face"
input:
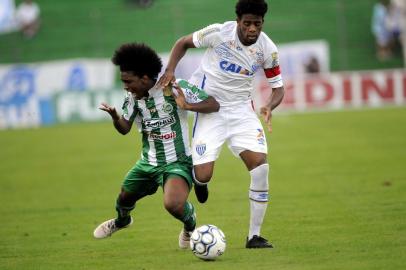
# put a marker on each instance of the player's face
(249, 27)
(136, 85)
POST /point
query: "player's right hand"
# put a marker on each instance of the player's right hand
(266, 112)
(111, 110)
(166, 78)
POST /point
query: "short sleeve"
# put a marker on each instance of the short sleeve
(129, 108)
(207, 36)
(272, 68)
(193, 94)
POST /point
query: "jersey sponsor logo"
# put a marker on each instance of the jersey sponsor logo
(255, 67)
(261, 136)
(201, 148)
(162, 137)
(231, 67)
(223, 51)
(159, 123)
(261, 197)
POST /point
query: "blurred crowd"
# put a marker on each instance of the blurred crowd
(28, 18)
(389, 27)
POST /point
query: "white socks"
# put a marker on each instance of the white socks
(258, 195)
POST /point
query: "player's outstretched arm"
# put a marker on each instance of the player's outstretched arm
(274, 101)
(122, 125)
(208, 105)
(177, 52)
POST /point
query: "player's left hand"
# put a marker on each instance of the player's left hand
(266, 113)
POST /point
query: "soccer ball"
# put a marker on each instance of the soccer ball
(208, 242)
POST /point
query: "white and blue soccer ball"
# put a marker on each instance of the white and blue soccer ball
(208, 242)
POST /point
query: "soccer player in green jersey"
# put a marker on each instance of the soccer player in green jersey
(161, 117)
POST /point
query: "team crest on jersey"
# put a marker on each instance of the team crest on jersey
(201, 148)
(261, 136)
(167, 107)
(275, 59)
(252, 50)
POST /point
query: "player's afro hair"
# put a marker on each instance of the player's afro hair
(139, 59)
(256, 7)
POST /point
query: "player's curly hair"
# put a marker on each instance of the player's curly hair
(139, 59)
(256, 7)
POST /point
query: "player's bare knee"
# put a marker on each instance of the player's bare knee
(125, 198)
(203, 177)
(253, 160)
(202, 173)
(175, 207)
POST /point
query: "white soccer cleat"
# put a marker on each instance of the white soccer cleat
(107, 228)
(184, 239)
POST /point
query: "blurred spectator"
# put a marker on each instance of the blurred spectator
(381, 29)
(312, 65)
(28, 19)
(399, 7)
(141, 3)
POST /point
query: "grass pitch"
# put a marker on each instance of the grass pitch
(338, 185)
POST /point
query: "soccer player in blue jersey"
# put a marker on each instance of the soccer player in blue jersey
(161, 116)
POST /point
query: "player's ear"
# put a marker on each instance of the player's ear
(145, 79)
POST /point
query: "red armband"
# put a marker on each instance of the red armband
(272, 72)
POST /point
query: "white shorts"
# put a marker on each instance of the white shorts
(238, 125)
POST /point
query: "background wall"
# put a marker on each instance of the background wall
(94, 28)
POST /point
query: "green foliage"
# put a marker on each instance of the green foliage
(337, 180)
(94, 28)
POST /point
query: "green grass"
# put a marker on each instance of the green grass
(338, 186)
(95, 28)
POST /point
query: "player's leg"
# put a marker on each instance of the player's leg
(247, 140)
(209, 134)
(202, 174)
(258, 195)
(136, 186)
(177, 182)
(125, 203)
(176, 191)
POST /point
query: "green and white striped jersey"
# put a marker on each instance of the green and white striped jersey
(164, 126)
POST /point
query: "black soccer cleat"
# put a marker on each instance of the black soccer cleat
(258, 242)
(202, 193)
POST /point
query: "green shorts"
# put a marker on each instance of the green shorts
(144, 179)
